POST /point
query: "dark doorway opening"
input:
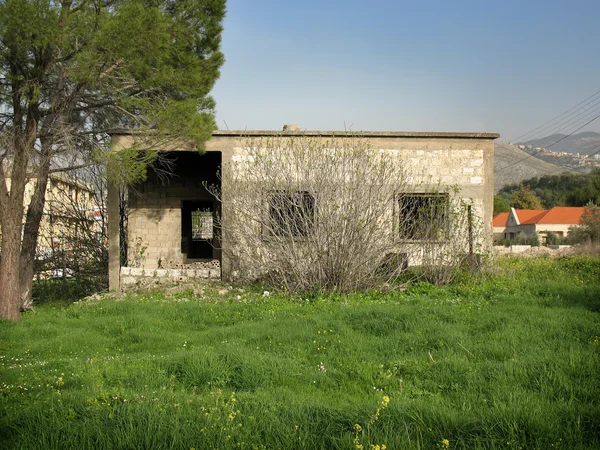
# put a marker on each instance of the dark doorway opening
(195, 177)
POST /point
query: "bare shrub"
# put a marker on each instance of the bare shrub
(588, 230)
(73, 233)
(587, 248)
(461, 248)
(317, 214)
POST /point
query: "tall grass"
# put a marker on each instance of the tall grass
(508, 362)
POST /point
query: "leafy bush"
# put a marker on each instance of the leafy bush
(66, 289)
(521, 239)
(500, 205)
(555, 239)
(504, 242)
(588, 231)
(528, 239)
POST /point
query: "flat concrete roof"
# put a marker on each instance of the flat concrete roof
(355, 134)
(373, 134)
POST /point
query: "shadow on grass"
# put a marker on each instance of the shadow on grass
(556, 294)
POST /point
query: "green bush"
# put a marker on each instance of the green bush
(528, 239)
(66, 289)
(521, 239)
(503, 242)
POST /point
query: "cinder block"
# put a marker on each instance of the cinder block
(174, 273)
(128, 281)
(202, 273)
(160, 273)
(214, 273)
(136, 272)
(125, 271)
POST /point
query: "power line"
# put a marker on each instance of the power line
(566, 136)
(557, 117)
(563, 166)
(579, 109)
(560, 140)
(566, 123)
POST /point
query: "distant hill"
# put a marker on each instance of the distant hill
(506, 154)
(582, 143)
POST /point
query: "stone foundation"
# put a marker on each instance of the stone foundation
(138, 277)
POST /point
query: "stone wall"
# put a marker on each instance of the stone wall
(459, 164)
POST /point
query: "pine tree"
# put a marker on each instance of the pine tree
(525, 198)
(71, 71)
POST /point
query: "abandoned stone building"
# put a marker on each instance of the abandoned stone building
(172, 226)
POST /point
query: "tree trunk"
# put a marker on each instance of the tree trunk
(35, 212)
(11, 205)
(10, 306)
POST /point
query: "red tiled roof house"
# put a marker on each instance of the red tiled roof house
(499, 224)
(557, 220)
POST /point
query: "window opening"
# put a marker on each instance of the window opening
(202, 225)
(291, 213)
(424, 216)
(197, 229)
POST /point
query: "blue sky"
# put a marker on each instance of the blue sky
(503, 66)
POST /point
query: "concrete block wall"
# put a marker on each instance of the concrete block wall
(154, 228)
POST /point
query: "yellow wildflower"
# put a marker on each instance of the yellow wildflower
(445, 443)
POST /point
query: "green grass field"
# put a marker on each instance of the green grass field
(508, 362)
